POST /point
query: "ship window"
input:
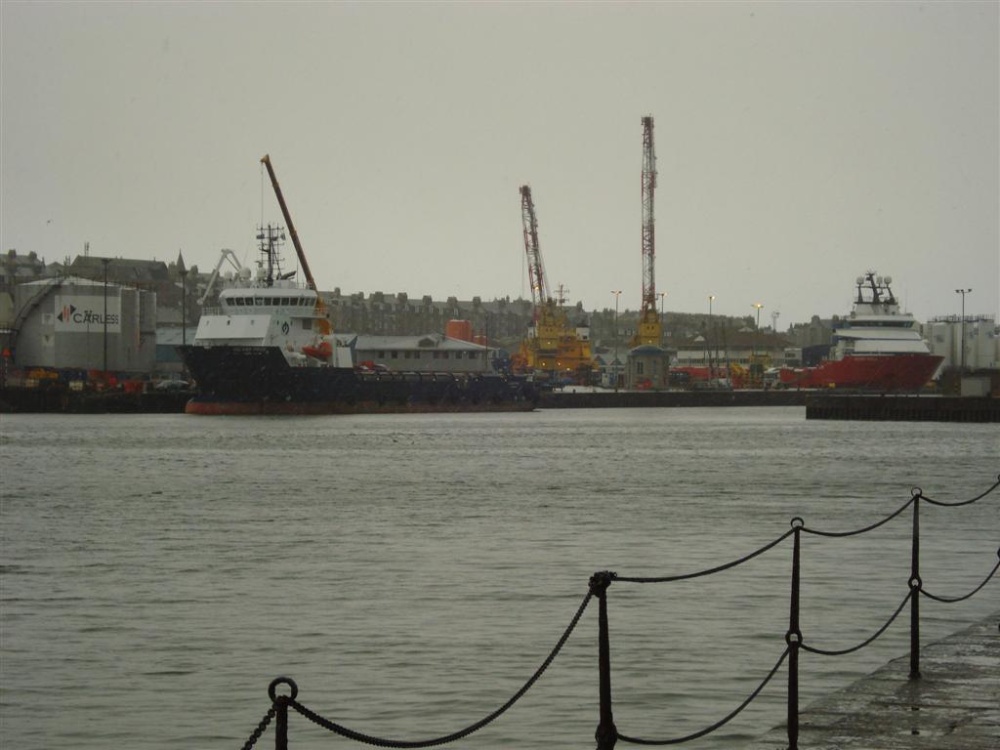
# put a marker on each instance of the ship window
(416, 355)
(258, 300)
(380, 355)
(394, 355)
(444, 355)
(307, 324)
(406, 355)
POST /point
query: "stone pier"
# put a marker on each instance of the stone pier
(955, 705)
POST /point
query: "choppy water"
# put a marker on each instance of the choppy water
(412, 571)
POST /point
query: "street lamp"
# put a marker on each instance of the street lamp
(963, 292)
(756, 336)
(183, 274)
(708, 345)
(662, 295)
(614, 367)
(105, 262)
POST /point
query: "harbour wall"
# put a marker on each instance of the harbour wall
(583, 399)
(904, 408)
(818, 405)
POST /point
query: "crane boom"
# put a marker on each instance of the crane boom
(323, 320)
(310, 282)
(648, 227)
(552, 347)
(226, 254)
(650, 327)
(536, 271)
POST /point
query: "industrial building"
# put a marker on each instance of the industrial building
(74, 323)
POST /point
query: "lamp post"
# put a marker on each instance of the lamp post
(708, 343)
(183, 274)
(662, 332)
(961, 355)
(105, 262)
(756, 336)
(614, 366)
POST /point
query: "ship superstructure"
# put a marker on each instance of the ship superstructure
(266, 307)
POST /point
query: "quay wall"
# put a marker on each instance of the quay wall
(951, 706)
(904, 408)
(59, 400)
(818, 405)
(583, 399)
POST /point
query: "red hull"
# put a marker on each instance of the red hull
(896, 372)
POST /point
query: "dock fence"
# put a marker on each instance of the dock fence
(607, 734)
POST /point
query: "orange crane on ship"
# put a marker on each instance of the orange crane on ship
(552, 346)
(650, 330)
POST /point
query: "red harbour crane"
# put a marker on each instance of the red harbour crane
(650, 326)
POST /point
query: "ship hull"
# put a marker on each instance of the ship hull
(258, 380)
(887, 373)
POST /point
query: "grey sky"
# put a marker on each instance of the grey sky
(798, 144)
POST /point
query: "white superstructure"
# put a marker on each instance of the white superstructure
(876, 325)
(268, 309)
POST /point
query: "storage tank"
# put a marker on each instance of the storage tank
(459, 329)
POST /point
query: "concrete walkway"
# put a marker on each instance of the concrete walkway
(955, 705)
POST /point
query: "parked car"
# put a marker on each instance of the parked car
(172, 384)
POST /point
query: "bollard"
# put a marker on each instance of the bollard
(280, 703)
(915, 584)
(607, 733)
(794, 638)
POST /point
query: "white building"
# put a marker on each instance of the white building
(981, 341)
(429, 353)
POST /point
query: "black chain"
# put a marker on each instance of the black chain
(260, 728)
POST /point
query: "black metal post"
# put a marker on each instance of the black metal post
(915, 585)
(607, 733)
(280, 703)
(281, 724)
(794, 638)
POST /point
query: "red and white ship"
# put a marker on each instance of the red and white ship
(878, 348)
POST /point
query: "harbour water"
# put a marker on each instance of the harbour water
(411, 572)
